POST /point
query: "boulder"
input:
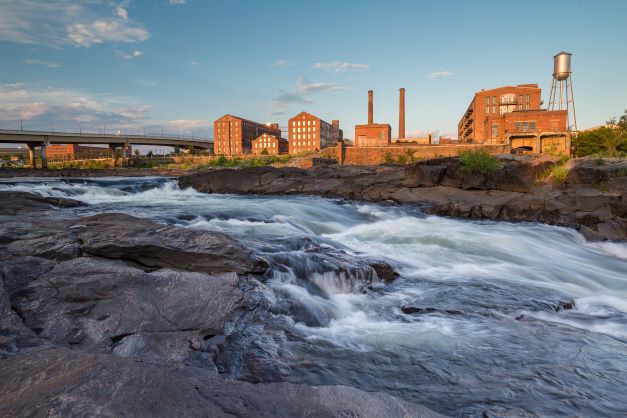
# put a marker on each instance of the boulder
(104, 305)
(120, 236)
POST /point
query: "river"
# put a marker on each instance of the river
(496, 328)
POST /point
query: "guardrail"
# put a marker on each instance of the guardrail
(112, 134)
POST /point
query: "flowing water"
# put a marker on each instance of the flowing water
(496, 326)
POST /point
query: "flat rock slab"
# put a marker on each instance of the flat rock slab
(65, 383)
(104, 305)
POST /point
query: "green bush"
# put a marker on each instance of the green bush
(479, 160)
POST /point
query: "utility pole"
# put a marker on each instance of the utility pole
(21, 125)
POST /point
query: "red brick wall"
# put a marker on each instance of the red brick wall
(478, 106)
(377, 155)
(373, 135)
(553, 121)
(234, 135)
(270, 143)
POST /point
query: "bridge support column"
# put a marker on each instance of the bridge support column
(124, 161)
(538, 149)
(114, 156)
(44, 157)
(31, 155)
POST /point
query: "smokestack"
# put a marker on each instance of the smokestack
(370, 112)
(401, 114)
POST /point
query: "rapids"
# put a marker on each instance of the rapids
(500, 331)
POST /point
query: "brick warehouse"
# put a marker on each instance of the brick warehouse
(307, 132)
(234, 135)
(499, 127)
(493, 103)
(271, 144)
(372, 134)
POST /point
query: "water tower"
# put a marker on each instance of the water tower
(561, 97)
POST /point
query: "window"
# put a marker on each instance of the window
(495, 131)
(493, 104)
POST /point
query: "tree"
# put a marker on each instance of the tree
(177, 149)
(264, 152)
(136, 152)
(609, 140)
(149, 154)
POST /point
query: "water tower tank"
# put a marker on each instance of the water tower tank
(561, 66)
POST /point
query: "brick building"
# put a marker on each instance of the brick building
(234, 135)
(494, 103)
(307, 132)
(498, 127)
(76, 151)
(271, 144)
(372, 134)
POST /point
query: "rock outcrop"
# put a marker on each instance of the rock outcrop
(592, 199)
(64, 383)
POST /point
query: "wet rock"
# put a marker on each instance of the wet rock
(106, 306)
(61, 382)
(416, 310)
(120, 236)
(384, 271)
(565, 306)
(28, 202)
(501, 412)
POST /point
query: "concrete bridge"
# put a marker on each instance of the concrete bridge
(41, 139)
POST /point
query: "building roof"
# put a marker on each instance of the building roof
(267, 125)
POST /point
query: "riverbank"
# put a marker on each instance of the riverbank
(586, 194)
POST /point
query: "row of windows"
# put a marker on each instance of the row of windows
(303, 143)
(308, 129)
(303, 136)
(507, 99)
(305, 123)
(264, 145)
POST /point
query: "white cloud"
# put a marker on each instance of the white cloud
(68, 23)
(194, 62)
(38, 107)
(304, 89)
(440, 74)
(129, 55)
(48, 64)
(100, 31)
(305, 86)
(282, 63)
(340, 67)
(176, 2)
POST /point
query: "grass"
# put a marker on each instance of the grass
(559, 173)
(479, 160)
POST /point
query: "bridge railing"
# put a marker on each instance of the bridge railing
(115, 133)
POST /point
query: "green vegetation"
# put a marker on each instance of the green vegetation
(479, 160)
(559, 173)
(261, 161)
(84, 164)
(407, 157)
(609, 140)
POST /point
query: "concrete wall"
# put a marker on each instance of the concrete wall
(377, 155)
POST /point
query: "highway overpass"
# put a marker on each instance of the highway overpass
(34, 139)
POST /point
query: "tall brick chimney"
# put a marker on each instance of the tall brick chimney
(335, 123)
(370, 112)
(401, 114)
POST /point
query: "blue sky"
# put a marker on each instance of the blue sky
(178, 65)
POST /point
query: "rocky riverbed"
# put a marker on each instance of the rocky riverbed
(593, 198)
(137, 297)
(113, 315)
